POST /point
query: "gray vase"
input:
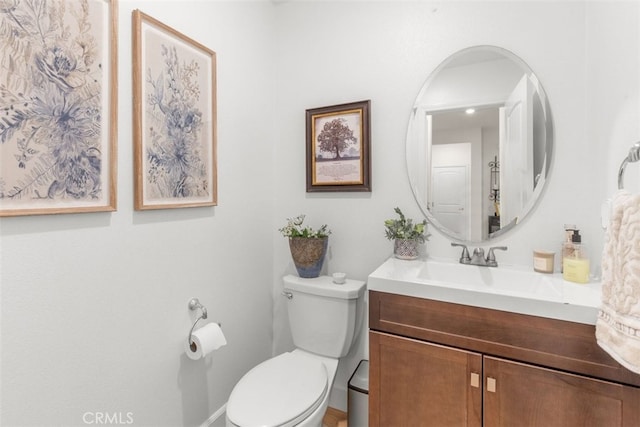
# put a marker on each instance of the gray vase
(308, 255)
(406, 248)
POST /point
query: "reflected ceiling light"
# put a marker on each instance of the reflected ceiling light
(470, 110)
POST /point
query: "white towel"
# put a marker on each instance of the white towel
(618, 323)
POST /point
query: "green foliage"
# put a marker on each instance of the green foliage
(404, 228)
(294, 228)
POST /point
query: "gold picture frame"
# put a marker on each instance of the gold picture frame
(58, 133)
(339, 147)
(174, 118)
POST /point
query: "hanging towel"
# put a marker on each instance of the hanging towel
(618, 323)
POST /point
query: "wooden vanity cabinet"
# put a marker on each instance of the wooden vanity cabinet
(415, 383)
(433, 363)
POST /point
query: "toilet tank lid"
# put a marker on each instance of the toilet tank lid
(324, 286)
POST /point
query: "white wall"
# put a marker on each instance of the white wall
(613, 90)
(94, 305)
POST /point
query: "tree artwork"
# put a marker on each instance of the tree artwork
(337, 140)
(335, 137)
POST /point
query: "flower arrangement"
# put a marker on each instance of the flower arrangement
(308, 246)
(294, 228)
(404, 228)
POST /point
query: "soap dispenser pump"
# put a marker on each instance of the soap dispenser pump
(575, 265)
(566, 249)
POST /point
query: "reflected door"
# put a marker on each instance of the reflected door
(516, 152)
(450, 202)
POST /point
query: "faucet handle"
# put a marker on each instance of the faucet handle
(491, 257)
(464, 258)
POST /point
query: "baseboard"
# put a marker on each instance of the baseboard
(217, 419)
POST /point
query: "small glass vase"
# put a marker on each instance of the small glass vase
(406, 248)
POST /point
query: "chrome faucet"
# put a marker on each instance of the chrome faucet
(478, 257)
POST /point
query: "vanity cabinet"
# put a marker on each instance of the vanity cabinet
(435, 363)
(414, 383)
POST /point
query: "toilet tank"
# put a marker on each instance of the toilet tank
(323, 315)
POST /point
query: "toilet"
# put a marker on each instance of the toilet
(293, 389)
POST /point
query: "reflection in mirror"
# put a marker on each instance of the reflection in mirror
(479, 144)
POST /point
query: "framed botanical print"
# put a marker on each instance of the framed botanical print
(58, 106)
(174, 82)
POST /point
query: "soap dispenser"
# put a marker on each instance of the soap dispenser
(575, 265)
(567, 245)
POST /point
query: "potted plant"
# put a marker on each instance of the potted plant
(406, 235)
(308, 246)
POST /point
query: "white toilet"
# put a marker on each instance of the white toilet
(292, 389)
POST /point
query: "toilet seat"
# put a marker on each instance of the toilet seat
(279, 392)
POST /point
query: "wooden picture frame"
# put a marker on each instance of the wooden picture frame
(174, 118)
(338, 155)
(58, 106)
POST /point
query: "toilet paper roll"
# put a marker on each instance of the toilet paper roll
(204, 341)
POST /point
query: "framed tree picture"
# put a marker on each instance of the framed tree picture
(174, 82)
(339, 148)
(58, 106)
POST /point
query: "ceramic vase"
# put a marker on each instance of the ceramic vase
(308, 255)
(406, 248)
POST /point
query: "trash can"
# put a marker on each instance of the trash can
(358, 397)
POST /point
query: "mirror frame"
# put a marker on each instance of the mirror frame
(413, 149)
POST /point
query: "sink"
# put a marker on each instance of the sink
(501, 280)
(507, 287)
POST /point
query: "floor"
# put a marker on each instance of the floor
(334, 418)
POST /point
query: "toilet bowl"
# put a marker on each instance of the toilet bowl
(293, 388)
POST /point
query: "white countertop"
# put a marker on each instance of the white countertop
(506, 287)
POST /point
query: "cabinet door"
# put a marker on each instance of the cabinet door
(414, 383)
(517, 394)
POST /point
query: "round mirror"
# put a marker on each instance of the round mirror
(479, 144)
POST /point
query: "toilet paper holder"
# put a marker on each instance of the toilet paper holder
(194, 304)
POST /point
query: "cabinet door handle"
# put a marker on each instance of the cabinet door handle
(491, 384)
(475, 379)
